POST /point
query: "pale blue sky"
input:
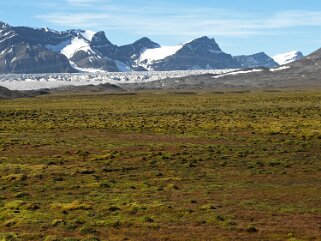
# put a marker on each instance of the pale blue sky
(239, 26)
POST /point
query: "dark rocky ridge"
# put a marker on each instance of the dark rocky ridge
(101, 88)
(13, 94)
(202, 53)
(256, 60)
(21, 54)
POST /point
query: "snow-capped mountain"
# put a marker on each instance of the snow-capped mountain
(32, 50)
(201, 53)
(87, 52)
(22, 51)
(288, 57)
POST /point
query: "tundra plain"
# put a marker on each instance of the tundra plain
(196, 165)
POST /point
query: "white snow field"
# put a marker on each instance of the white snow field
(288, 57)
(70, 47)
(152, 55)
(41, 81)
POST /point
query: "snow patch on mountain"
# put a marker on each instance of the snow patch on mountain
(152, 55)
(288, 57)
(71, 46)
(88, 35)
(281, 68)
(46, 29)
(76, 45)
(237, 73)
(59, 47)
(3, 52)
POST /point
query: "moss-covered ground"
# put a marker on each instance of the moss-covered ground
(161, 166)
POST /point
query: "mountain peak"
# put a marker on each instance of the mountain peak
(144, 39)
(260, 54)
(102, 45)
(203, 39)
(203, 45)
(288, 57)
(260, 59)
(3, 25)
(146, 43)
(100, 37)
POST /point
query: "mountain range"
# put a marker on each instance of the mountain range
(303, 73)
(42, 50)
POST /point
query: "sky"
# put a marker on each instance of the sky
(239, 26)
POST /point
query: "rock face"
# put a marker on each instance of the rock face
(21, 52)
(30, 50)
(202, 53)
(256, 60)
(289, 57)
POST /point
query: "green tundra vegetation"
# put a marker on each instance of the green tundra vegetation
(161, 166)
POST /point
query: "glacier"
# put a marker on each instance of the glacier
(44, 81)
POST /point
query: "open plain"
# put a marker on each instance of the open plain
(203, 165)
